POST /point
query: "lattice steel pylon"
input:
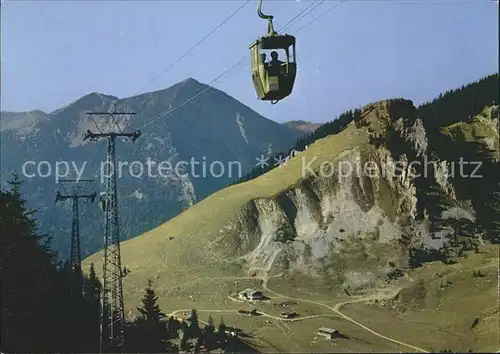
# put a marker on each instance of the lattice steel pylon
(75, 252)
(112, 309)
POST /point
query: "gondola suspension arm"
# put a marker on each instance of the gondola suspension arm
(270, 27)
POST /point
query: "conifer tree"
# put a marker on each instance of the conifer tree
(37, 312)
(172, 332)
(194, 325)
(92, 285)
(92, 296)
(221, 333)
(184, 345)
(148, 333)
(209, 334)
(173, 327)
(25, 272)
(150, 310)
(15, 184)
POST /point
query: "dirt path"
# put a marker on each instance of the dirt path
(338, 306)
(260, 313)
(235, 300)
(336, 309)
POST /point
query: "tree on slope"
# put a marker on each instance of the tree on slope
(38, 314)
(194, 325)
(148, 333)
(209, 334)
(221, 333)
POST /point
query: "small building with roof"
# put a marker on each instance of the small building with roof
(250, 294)
(328, 333)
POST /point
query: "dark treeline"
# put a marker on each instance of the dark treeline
(42, 311)
(49, 307)
(153, 332)
(455, 106)
(461, 104)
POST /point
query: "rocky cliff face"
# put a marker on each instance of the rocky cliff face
(360, 211)
(303, 126)
(356, 209)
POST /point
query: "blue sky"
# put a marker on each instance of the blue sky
(54, 52)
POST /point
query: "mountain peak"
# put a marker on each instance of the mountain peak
(192, 82)
(95, 99)
(190, 79)
(381, 114)
(102, 96)
(38, 112)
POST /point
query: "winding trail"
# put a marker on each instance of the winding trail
(387, 295)
(339, 305)
(260, 313)
(384, 294)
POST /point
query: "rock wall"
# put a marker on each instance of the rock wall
(345, 224)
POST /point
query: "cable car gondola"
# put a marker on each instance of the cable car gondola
(273, 79)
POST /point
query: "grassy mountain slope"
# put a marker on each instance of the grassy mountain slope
(482, 129)
(440, 304)
(343, 249)
(190, 254)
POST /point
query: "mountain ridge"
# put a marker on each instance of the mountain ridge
(102, 95)
(211, 127)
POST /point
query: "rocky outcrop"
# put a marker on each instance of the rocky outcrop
(344, 222)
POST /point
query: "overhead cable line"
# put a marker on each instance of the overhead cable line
(188, 51)
(161, 115)
(307, 10)
(321, 15)
(304, 12)
(171, 65)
